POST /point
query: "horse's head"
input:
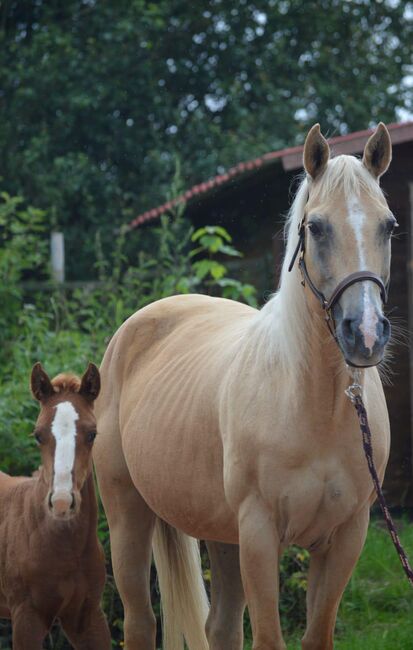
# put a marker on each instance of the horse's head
(348, 227)
(65, 431)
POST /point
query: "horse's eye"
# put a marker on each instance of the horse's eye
(390, 225)
(90, 436)
(38, 438)
(315, 229)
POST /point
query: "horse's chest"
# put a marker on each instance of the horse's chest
(317, 499)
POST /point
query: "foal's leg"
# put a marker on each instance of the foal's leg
(131, 525)
(88, 630)
(224, 624)
(327, 579)
(29, 630)
(259, 556)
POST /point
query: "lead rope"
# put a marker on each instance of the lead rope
(354, 393)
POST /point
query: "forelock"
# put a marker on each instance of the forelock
(66, 383)
(348, 174)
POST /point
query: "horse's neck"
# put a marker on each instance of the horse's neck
(324, 377)
(293, 340)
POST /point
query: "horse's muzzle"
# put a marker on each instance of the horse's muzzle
(361, 345)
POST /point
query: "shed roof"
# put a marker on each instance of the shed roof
(290, 158)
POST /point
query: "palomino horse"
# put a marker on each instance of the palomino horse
(231, 425)
(51, 562)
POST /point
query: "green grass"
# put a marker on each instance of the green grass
(376, 612)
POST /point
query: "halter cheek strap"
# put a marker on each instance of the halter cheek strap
(348, 281)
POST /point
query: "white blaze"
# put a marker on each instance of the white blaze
(357, 219)
(64, 431)
(369, 321)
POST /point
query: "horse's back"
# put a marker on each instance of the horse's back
(171, 326)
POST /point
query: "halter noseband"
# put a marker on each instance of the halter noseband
(348, 281)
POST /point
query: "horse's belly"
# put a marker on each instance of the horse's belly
(180, 477)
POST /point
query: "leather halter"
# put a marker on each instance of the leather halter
(348, 281)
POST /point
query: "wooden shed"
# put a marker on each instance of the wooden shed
(251, 199)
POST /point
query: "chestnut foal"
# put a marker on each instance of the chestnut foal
(51, 563)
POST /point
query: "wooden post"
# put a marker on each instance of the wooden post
(57, 256)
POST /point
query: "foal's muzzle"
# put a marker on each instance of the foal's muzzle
(62, 505)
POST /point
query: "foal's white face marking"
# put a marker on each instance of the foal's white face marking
(369, 321)
(64, 431)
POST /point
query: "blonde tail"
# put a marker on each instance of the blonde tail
(183, 598)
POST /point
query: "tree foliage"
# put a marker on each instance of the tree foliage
(98, 98)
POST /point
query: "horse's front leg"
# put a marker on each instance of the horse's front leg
(29, 628)
(87, 629)
(259, 559)
(224, 627)
(329, 573)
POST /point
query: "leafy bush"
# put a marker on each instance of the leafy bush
(293, 588)
(22, 249)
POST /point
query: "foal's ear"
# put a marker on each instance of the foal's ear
(316, 152)
(40, 384)
(377, 152)
(90, 384)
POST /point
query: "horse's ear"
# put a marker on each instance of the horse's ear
(377, 152)
(40, 384)
(316, 152)
(90, 384)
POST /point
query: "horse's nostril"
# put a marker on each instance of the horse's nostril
(348, 330)
(385, 329)
(50, 500)
(72, 505)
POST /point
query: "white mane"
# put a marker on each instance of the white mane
(283, 324)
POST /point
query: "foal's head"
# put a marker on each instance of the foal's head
(348, 229)
(65, 431)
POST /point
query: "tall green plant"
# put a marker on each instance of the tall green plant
(22, 252)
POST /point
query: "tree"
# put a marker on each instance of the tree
(99, 98)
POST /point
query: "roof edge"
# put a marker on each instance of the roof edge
(291, 158)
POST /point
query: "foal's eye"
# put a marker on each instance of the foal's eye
(90, 436)
(38, 438)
